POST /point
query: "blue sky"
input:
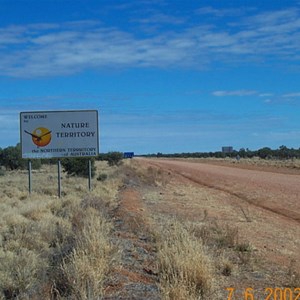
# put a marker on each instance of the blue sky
(166, 76)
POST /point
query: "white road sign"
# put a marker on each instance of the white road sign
(50, 134)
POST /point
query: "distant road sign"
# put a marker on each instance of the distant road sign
(50, 134)
(128, 154)
(227, 149)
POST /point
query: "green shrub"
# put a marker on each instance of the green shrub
(102, 177)
(11, 159)
(78, 166)
(113, 158)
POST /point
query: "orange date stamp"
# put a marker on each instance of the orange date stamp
(269, 294)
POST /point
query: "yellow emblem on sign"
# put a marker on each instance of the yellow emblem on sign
(41, 136)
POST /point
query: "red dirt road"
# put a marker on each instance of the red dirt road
(279, 193)
(264, 205)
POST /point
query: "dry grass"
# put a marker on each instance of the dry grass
(53, 248)
(89, 262)
(195, 259)
(186, 270)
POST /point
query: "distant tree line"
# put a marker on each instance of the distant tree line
(282, 152)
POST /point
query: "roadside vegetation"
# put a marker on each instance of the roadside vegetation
(53, 248)
(186, 269)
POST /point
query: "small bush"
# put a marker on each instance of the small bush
(102, 177)
(78, 166)
(213, 234)
(11, 159)
(113, 158)
(227, 268)
(243, 247)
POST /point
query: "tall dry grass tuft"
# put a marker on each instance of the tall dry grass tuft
(87, 266)
(186, 270)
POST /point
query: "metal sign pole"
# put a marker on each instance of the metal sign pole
(29, 176)
(90, 175)
(59, 178)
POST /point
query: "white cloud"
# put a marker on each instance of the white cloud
(268, 101)
(161, 18)
(209, 10)
(238, 93)
(291, 95)
(265, 95)
(55, 49)
(283, 99)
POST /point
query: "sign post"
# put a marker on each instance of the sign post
(29, 177)
(90, 175)
(59, 134)
(59, 178)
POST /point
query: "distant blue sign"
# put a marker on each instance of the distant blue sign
(128, 154)
(227, 149)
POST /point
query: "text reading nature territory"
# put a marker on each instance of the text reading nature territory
(74, 134)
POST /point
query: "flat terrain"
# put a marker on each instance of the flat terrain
(271, 201)
(169, 229)
(276, 192)
(262, 203)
